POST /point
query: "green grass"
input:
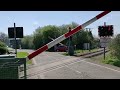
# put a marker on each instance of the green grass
(108, 59)
(111, 60)
(23, 55)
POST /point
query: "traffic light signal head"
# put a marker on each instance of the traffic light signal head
(105, 30)
(110, 30)
(101, 31)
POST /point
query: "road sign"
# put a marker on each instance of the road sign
(19, 32)
(105, 39)
(103, 45)
(66, 35)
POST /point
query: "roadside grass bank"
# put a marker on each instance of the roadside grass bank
(23, 55)
(108, 59)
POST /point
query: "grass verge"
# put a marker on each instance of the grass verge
(111, 60)
(108, 59)
(23, 55)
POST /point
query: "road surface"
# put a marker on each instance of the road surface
(52, 65)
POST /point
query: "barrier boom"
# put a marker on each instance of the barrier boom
(66, 35)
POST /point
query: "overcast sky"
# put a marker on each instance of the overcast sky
(30, 20)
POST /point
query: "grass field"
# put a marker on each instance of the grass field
(23, 55)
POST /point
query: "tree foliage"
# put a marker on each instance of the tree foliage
(42, 36)
(27, 42)
(38, 39)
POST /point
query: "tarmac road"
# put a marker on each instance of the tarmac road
(53, 65)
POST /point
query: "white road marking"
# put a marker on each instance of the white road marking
(102, 66)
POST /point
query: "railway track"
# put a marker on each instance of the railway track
(92, 54)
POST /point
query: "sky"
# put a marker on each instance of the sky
(31, 20)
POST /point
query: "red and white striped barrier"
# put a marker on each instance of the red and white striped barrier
(66, 35)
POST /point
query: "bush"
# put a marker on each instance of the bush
(3, 50)
(117, 63)
(112, 61)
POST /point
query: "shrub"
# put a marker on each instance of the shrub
(3, 50)
(2, 44)
(112, 61)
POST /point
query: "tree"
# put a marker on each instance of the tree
(3, 37)
(27, 42)
(42, 34)
(50, 31)
(64, 29)
(38, 40)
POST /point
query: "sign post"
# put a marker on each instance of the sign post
(14, 33)
(104, 53)
(15, 40)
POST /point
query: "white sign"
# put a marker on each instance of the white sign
(105, 39)
(103, 44)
